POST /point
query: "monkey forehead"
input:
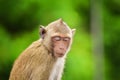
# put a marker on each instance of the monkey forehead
(62, 35)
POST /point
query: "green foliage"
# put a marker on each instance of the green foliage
(79, 64)
(19, 27)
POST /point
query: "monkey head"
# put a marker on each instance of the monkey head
(57, 37)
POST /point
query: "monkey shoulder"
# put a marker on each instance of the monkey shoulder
(30, 51)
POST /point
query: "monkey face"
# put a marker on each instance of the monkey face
(60, 45)
(57, 37)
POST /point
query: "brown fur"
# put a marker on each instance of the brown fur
(33, 64)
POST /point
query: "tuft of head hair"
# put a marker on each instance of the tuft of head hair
(59, 26)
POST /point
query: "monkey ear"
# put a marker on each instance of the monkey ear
(73, 31)
(42, 31)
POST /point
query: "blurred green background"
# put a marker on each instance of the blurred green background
(19, 27)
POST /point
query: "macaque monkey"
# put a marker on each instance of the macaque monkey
(44, 59)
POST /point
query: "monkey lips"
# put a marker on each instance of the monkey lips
(59, 54)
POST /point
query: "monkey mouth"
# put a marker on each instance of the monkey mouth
(60, 54)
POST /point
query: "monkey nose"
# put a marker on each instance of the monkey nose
(61, 48)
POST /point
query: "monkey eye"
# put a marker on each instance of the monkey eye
(57, 38)
(66, 39)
